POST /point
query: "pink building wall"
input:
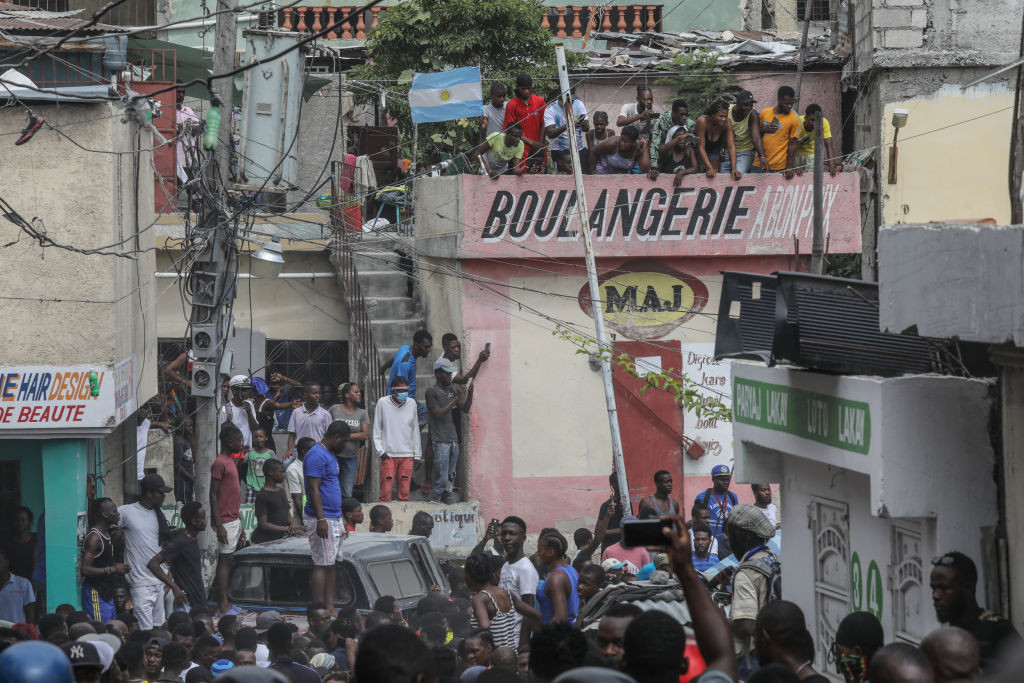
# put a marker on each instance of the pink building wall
(516, 285)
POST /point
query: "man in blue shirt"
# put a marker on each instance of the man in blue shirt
(719, 498)
(280, 644)
(403, 364)
(322, 513)
(703, 558)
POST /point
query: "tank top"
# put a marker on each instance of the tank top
(613, 163)
(103, 584)
(266, 423)
(657, 508)
(741, 132)
(713, 148)
(503, 624)
(547, 608)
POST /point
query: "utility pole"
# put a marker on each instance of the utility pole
(803, 54)
(209, 273)
(595, 295)
(818, 236)
(1017, 145)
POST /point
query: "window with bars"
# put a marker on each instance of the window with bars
(325, 361)
(821, 10)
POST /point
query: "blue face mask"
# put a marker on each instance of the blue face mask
(401, 396)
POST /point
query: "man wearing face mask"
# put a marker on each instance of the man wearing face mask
(396, 436)
(858, 637)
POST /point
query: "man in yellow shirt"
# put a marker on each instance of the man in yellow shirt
(805, 141)
(779, 129)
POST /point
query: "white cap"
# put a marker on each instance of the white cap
(239, 381)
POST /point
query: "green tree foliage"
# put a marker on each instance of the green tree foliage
(502, 37)
(697, 78)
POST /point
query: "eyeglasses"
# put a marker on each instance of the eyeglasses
(943, 560)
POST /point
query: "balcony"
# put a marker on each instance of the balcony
(569, 21)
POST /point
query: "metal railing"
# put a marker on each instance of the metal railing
(567, 21)
(365, 357)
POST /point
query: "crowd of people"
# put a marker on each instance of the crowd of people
(527, 134)
(556, 614)
(507, 617)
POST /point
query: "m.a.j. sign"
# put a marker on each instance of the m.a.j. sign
(629, 215)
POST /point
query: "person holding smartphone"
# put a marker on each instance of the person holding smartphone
(640, 113)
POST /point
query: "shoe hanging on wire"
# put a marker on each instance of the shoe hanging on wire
(34, 123)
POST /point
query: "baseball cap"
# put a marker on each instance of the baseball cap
(153, 482)
(443, 363)
(267, 619)
(744, 96)
(751, 519)
(82, 654)
(109, 638)
(721, 470)
(220, 666)
(611, 563)
(239, 381)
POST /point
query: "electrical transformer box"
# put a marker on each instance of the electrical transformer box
(271, 94)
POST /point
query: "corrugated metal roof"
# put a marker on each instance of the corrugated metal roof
(31, 20)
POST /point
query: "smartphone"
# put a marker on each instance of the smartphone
(487, 347)
(495, 522)
(642, 533)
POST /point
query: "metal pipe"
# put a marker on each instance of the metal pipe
(595, 294)
(818, 236)
(803, 55)
(282, 276)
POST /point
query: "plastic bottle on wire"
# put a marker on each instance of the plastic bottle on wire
(212, 127)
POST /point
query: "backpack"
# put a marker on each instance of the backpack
(771, 568)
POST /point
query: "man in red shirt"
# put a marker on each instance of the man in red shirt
(527, 110)
(225, 500)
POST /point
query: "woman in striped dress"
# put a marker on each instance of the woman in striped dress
(492, 606)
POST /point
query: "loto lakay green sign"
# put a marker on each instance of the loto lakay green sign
(833, 421)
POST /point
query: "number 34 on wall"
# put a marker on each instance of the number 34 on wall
(874, 587)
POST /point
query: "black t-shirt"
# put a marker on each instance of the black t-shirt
(199, 674)
(815, 678)
(273, 504)
(993, 635)
(614, 522)
(182, 553)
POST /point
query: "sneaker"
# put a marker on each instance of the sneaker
(34, 124)
(448, 498)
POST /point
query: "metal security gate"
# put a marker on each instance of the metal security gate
(906, 580)
(829, 522)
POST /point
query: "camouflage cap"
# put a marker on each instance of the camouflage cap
(750, 518)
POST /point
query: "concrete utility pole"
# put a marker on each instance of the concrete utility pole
(595, 294)
(1017, 146)
(818, 236)
(803, 54)
(219, 251)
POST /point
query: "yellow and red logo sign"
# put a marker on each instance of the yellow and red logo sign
(646, 299)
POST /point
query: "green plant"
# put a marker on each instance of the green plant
(844, 265)
(685, 391)
(502, 37)
(697, 78)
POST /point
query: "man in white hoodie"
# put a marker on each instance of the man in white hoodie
(396, 436)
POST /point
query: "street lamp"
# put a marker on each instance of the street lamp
(267, 261)
(899, 119)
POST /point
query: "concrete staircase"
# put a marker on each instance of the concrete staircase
(385, 278)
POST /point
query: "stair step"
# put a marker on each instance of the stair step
(390, 307)
(382, 283)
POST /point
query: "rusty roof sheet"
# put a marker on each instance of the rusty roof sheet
(15, 18)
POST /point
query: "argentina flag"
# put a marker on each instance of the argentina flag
(446, 96)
